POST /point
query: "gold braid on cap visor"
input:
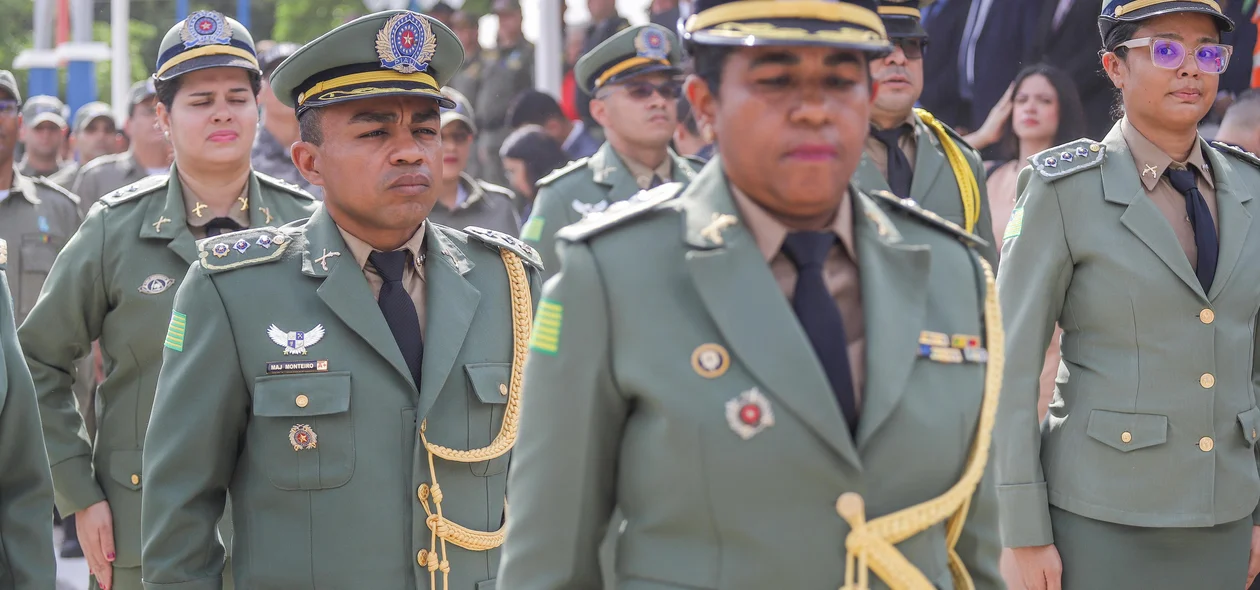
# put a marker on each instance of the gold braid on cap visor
(208, 50)
(794, 9)
(364, 78)
(1140, 4)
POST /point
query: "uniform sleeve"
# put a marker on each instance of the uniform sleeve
(26, 496)
(1032, 283)
(1255, 372)
(189, 468)
(548, 215)
(563, 477)
(58, 332)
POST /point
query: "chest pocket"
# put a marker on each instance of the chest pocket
(302, 432)
(490, 385)
(38, 252)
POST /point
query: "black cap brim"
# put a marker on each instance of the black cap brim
(209, 61)
(902, 27)
(1106, 23)
(346, 94)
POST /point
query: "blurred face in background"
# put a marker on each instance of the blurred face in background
(457, 141)
(636, 111)
(96, 140)
(465, 27)
(45, 140)
(142, 127)
(1035, 110)
(518, 177)
(509, 27)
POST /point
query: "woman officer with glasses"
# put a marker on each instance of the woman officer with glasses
(632, 79)
(1142, 247)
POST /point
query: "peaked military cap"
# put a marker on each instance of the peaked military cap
(631, 52)
(1115, 12)
(903, 18)
(390, 53)
(462, 111)
(91, 112)
(43, 107)
(206, 39)
(846, 24)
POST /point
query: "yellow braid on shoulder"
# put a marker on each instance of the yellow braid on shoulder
(967, 183)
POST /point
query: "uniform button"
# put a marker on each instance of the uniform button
(422, 556)
(302, 400)
(420, 493)
(1206, 444)
(503, 389)
(1207, 316)
(135, 479)
(1126, 437)
(1207, 380)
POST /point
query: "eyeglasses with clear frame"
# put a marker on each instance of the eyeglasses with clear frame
(1169, 54)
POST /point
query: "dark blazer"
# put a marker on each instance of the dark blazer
(1007, 33)
(940, 63)
(1074, 47)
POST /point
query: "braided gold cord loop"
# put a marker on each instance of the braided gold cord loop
(872, 543)
(967, 185)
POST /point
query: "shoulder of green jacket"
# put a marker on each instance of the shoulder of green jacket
(966, 148)
(620, 213)
(494, 188)
(136, 190)
(1068, 159)
(910, 208)
(696, 163)
(247, 247)
(50, 185)
(1237, 152)
(501, 241)
(284, 185)
(562, 171)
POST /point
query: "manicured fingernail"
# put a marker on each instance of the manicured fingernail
(109, 556)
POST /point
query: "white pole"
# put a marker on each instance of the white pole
(120, 61)
(549, 51)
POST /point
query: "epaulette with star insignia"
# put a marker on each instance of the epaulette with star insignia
(1237, 152)
(283, 185)
(562, 171)
(136, 190)
(247, 247)
(501, 240)
(620, 212)
(911, 208)
(1068, 159)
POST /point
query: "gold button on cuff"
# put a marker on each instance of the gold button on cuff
(1207, 316)
(422, 556)
(503, 389)
(1206, 444)
(1126, 437)
(302, 400)
(135, 479)
(1207, 380)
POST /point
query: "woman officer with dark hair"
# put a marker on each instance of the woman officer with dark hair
(1141, 247)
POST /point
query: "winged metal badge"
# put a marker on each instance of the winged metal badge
(588, 208)
(296, 342)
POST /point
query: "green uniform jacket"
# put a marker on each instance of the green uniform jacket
(588, 185)
(617, 415)
(346, 513)
(26, 544)
(105, 175)
(1154, 419)
(37, 219)
(115, 282)
(934, 185)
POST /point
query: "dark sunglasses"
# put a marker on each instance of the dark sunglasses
(644, 90)
(911, 46)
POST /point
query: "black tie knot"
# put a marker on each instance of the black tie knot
(221, 225)
(390, 265)
(808, 249)
(1182, 179)
(890, 137)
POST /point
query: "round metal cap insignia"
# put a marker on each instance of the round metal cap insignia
(652, 44)
(205, 27)
(406, 43)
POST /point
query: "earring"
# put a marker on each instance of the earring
(706, 133)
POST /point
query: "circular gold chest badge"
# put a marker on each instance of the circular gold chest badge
(302, 437)
(710, 360)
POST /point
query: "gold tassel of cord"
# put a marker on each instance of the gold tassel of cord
(442, 531)
(871, 544)
(967, 184)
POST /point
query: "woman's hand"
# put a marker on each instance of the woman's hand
(991, 131)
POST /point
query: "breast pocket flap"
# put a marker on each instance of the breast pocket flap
(1250, 423)
(1127, 432)
(302, 395)
(490, 381)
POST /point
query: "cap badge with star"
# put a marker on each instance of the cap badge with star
(406, 43)
(651, 44)
(206, 39)
(635, 51)
(205, 27)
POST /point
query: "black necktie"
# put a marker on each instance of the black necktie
(819, 316)
(398, 308)
(656, 181)
(900, 174)
(221, 225)
(1201, 219)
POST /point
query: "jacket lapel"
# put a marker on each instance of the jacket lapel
(345, 290)
(1233, 218)
(929, 163)
(869, 178)
(452, 302)
(735, 284)
(894, 304)
(164, 219)
(608, 170)
(1121, 185)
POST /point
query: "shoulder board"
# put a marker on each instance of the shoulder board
(1237, 152)
(911, 208)
(136, 190)
(494, 188)
(1068, 159)
(620, 212)
(562, 171)
(503, 241)
(44, 182)
(283, 185)
(243, 248)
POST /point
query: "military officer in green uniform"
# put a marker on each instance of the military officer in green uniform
(909, 152)
(149, 154)
(767, 370)
(116, 282)
(357, 385)
(26, 544)
(506, 71)
(632, 79)
(1142, 247)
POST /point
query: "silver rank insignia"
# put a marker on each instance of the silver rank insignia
(296, 342)
(749, 413)
(585, 209)
(241, 246)
(156, 284)
(302, 437)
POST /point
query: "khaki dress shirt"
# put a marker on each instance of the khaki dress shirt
(1151, 163)
(413, 274)
(879, 152)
